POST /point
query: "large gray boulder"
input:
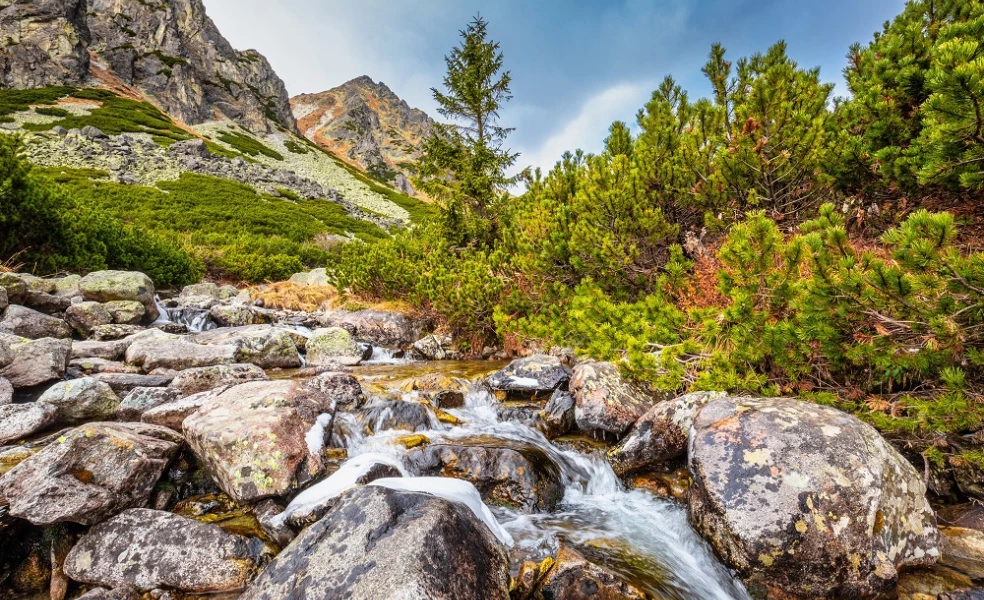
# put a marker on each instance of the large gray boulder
(806, 501)
(37, 361)
(606, 401)
(90, 474)
(14, 286)
(124, 383)
(379, 543)
(150, 549)
(173, 414)
(203, 379)
(262, 345)
(660, 435)
(112, 350)
(126, 312)
(278, 420)
(161, 350)
(84, 399)
(33, 325)
(237, 315)
(143, 399)
(108, 286)
(379, 328)
(534, 375)
(85, 316)
(18, 421)
(334, 345)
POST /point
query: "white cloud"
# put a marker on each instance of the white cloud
(589, 128)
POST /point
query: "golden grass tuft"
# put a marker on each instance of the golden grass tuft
(286, 295)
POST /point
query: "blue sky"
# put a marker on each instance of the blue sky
(577, 65)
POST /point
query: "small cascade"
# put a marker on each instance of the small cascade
(195, 319)
(388, 356)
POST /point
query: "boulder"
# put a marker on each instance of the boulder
(4, 302)
(505, 472)
(435, 347)
(33, 325)
(6, 392)
(17, 421)
(84, 399)
(333, 345)
(126, 312)
(383, 543)
(963, 550)
(150, 549)
(104, 333)
(203, 379)
(379, 328)
(173, 414)
(108, 286)
(120, 593)
(142, 399)
(14, 286)
(661, 434)
(315, 277)
(171, 352)
(6, 355)
(531, 376)
(78, 367)
(341, 388)
(606, 402)
(112, 350)
(279, 420)
(37, 361)
(262, 345)
(557, 417)
(124, 383)
(90, 474)
(573, 577)
(806, 501)
(383, 415)
(86, 315)
(236, 315)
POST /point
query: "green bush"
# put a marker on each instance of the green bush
(248, 145)
(51, 111)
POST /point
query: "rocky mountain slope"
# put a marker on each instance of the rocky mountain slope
(168, 50)
(365, 124)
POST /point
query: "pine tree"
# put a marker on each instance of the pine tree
(464, 162)
(619, 141)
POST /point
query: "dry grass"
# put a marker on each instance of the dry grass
(287, 295)
(11, 265)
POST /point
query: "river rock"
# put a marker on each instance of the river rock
(931, 583)
(379, 328)
(4, 302)
(533, 375)
(86, 315)
(120, 593)
(435, 347)
(17, 421)
(84, 399)
(105, 333)
(837, 511)
(557, 417)
(574, 577)
(108, 286)
(90, 474)
(333, 345)
(262, 345)
(78, 367)
(33, 325)
(963, 550)
(6, 392)
(14, 286)
(383, 415)
(342, 388)
(6, 355)
(259, 439)
(124, 383)
(173, 414)
(150, 549)
(976, 593)
(504, 471)
(49, 304)
(37, 361)
(170, 352)
(661, 434)
(142, 399)
(236, 315)
(606, 402)
(126, 312)
(112, 350)
(382, 543)
(203, 379)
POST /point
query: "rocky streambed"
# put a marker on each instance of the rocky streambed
(205, 445)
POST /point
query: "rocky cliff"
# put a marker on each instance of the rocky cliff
(365, 124)
(167, 50)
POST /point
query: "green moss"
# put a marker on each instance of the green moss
(248, 145)
(295, 148)
(52, 111)
(12, 101)
(169, 61)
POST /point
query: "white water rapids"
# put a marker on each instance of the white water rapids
(596, 511)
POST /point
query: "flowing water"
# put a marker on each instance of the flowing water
(645, 539)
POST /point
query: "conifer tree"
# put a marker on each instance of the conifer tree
(464, 162)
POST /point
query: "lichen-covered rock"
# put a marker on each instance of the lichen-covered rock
(84, 399)
(90, 474)
(112, 350)
(314, 277)
(379, 328)
(260, 439)
(173, 414)
(203, 379)
(661, 434)
(106, 333)
(6, 355)
(533, 375)
(435, 347)
(142, 399)
(573, 577)
(14, 286)
(333, 345)
(17, 421)
(504, 471)
(265, 346)
(171, 352)
(37, 361)
(383, 415)
(557, 417)
(963, 550)
(108, 286)
(126, 312)
(341, 388)
(150, 549)
(120, 593)
(33, 325)
(86, 315)
(932, 583)
(6, 392)
(382, 543)
(806, 501)
(237, 315)
(4, 302)
(124, 383)
(606, 401)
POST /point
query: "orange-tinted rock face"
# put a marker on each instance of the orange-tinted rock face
(365, 124)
